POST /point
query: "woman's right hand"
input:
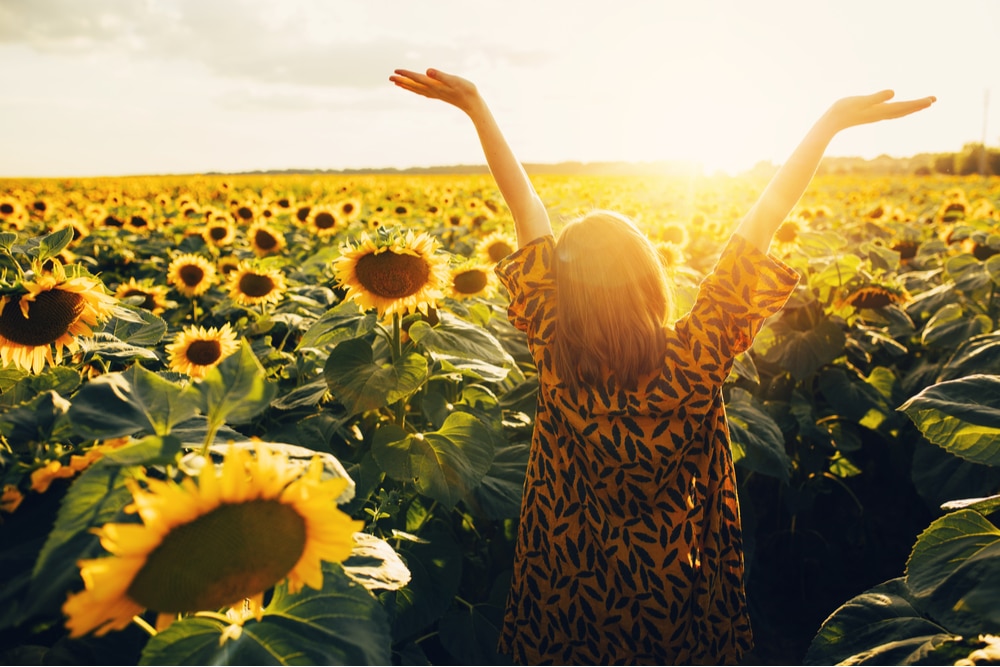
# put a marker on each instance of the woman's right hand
(439, 86)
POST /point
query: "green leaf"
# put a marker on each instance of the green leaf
(136, 326)
(962, 416)
(882, 626)
(374, 564)
(954, 570)
(454, 337)
(802, 353)
(984, 506)
(950, 326)
(968, 272)
(437, 574)
(59, 379)
(236, 390)
(343, 322)
(979, 354)
(54, 243)
(341, 624)
(757, 441)
(41, 419)
(849, 395)
(360, 382)
(128, 403)
(445, 465)
(471, 634)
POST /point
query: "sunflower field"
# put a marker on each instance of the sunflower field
(284, 420)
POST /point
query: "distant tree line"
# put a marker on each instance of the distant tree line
(974, 158)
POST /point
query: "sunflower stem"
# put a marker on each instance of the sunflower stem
(397, 352)
(142, 623)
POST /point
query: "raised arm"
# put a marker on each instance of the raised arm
(791, 180)
(531, 220)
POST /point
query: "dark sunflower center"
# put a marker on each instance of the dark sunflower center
(148, 302)
(218, 233)
(191, 274)
(470, 282)
(302, 213)
(499, 250)
(284, 203)
(138, 221)
(347, 208)
(325, 221)
(244, 213)
(256, 284)
(50, 316)
(391, 275)
(6, 208)
(264, 240)
(235, 551)
(39, 206)
(204, 352)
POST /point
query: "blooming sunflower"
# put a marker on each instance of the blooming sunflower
(249, 286)
(392, 273)
(205, 545)
(349, 209)
(325, 220)
(471, 279)
(196, 349)
(219, 231)
(192, 275)
(52, 312)
(496, 246)
(154, 297)
(265, 239)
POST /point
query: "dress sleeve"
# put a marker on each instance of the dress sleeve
(527, 273)
(745, 288)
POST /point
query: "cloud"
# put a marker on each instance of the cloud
(298, 43)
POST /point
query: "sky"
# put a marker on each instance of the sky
(122, 87)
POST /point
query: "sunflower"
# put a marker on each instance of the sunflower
(80, 228)
(192, 275)
(325, 220)
(788, 231)
(265, 239)
(52, 312)
(675, 233)
(670, 254)
(393, 273)
(245, 212)
(154, 297)
(349, 209)
(211, 543)
(471, 279)
(496, 246)
(249, 286)
(226, 265)
(12, 210)
(196, 349)
(876, 296)
(219, 231)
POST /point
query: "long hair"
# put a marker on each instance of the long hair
(612, 301)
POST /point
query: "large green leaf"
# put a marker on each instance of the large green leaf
(950, 325)
(941, 477)
(59, 379)
(341, 624)
(136, 326)
(977, 355)
(437, 566)
(471, 635)
(342, 322)
(962, 416)
(445, 465)
(360, 382)
(882, 626)
(849, 394)
(41, 419)
(757, 441)
(954, 571)
(132, 402)
(968, 272)
(374, 564)
(236, 390)
(454, 337)
(802, 353)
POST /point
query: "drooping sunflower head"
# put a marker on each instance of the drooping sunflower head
(210, 541)
(191, 274)
(876, 296)
(195, 350)
(265, 239)
(154, 297)
(249, 286)
(37, 324)
(472, 279)
(393, 273)
(496, 246)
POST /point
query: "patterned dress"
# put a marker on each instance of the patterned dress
(629, 545)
